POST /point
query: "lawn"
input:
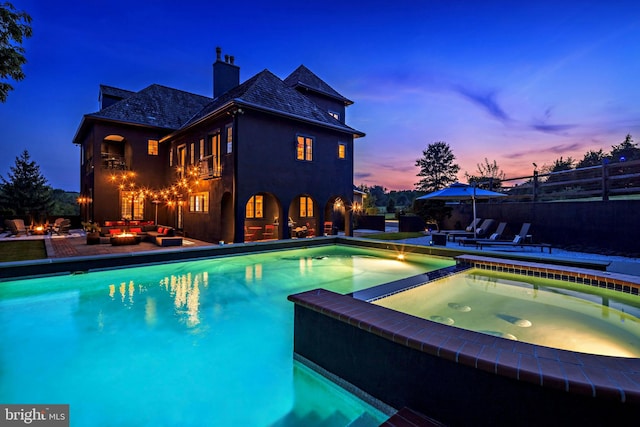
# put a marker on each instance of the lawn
(395, 236)
(22, 250)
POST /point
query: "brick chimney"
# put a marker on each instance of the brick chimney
(226, 75)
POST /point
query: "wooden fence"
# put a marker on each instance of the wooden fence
(599, 182)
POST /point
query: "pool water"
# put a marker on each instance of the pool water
(198, 343)
(546, 312)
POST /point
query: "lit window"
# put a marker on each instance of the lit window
(132, 205)
(254, 207)
(201, 149)
(171, 158)
(152, 147)
(192, 153)
(229, 130)
(342, 151)
(213, 149)
(335, 115)
(199, 202)
(181, 160)
(304, 148)
(306, 207)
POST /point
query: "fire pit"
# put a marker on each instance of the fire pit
(125, 239)
(39, 230)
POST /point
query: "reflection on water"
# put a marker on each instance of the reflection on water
(179, 343)
(184, 290)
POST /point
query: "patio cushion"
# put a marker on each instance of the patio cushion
(160, 230)
(115, 231)
(135, 230)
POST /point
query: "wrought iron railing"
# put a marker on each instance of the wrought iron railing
(209, 167)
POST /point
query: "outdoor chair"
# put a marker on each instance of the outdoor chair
(328, 228)
(269, 231)
(63, 227)
(311, 232)
(18, 227)
(468, 229)
(483, 229)
(522, 239)
(249, 235)
(495, 236)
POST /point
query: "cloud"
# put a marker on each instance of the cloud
(553, 149)
(486, 101)
(554, 129)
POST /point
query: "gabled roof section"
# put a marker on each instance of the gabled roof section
(115, 92)
(267, 92)
(155, 105)
(303, 77)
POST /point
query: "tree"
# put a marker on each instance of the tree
(561, 164)
(489, 175)
(626, 151)
(591, 158)
(379, 194)
(391, 205)
(436, 167)
(14, 28)
(432, 211)
(26, 191)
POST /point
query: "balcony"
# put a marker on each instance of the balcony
(209, 167)
(110, 161)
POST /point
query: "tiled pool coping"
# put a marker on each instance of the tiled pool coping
(607, 379)
(614, 281)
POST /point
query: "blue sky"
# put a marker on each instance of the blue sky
(516, 82)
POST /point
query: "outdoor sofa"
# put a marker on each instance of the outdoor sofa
(161, 235)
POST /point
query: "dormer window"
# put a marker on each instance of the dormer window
(335, 115)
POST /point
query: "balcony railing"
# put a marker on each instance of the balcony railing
(113, 162)
(209, 167)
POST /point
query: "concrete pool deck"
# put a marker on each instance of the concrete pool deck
(616, 264)
(74, 245)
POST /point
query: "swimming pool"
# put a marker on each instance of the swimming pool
(197, 343)
(540, 311)
(432, 367)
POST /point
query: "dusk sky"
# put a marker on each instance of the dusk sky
(516, 82)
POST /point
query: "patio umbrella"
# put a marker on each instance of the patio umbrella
(458, 191)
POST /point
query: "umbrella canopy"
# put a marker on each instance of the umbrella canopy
(459, 191)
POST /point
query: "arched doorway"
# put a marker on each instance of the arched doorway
(262, 218)
(303, 217)
(337, 216)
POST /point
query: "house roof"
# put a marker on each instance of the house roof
(155, 105)
(267, 92)
(115, 92)
(303, 77)
(175, 110)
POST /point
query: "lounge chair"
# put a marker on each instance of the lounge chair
(522, 239)
(495, 236)
(481, 231)
(469, 228)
